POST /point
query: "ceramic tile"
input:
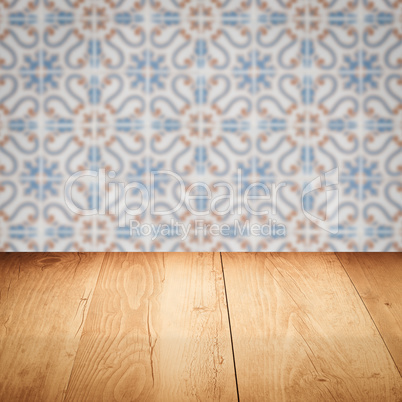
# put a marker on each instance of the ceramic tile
(305, 93)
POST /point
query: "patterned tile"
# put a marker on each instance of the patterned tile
(224, 151)
(382, 215)
(69, 225)
(19, 220)
(121, 41)
(19, 147)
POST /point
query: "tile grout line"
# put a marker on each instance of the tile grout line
(230, 327)
(307, 72)
(368, 312)
(199, 107)
(92, 71)
(83, 324)
(147, 117)
(41, 124)
(360, 120)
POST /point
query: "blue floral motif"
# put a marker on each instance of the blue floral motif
(41, 71)
(140, 171)
(371, 71)
(41, 178)
(154, 78)
(254, 81)
(361, 168)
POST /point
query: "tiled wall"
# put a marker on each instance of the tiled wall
(283, 90)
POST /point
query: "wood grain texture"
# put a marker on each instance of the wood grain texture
(378, 279)
(301, 332)
(157, 329)
(43, 304)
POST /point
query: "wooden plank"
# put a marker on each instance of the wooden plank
(301, 332)
(42, 308)
(157, 329)
(378, 279)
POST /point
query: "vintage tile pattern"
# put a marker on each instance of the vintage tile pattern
(282, 90)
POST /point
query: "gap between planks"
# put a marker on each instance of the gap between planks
(303, 336)
(399, 369)
(230, 327)
(168, 312)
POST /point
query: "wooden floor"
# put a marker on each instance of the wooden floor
(205, 327)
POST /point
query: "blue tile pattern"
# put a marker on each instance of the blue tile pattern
(282, 91)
